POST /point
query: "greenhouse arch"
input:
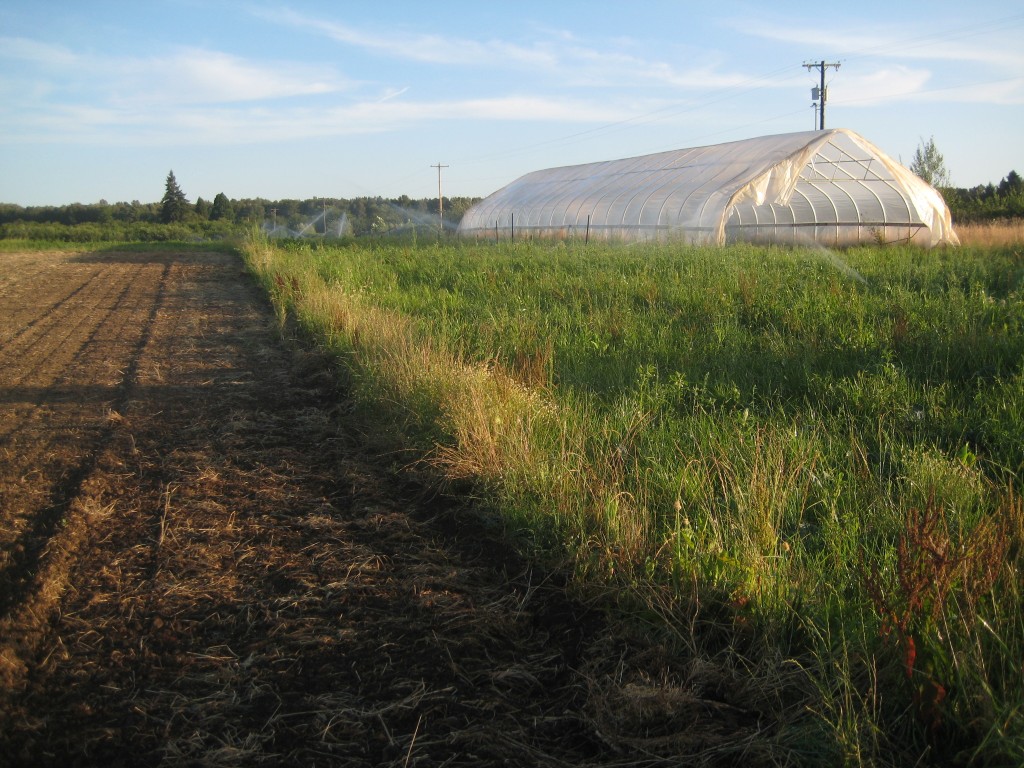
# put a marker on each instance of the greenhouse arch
(831, 187)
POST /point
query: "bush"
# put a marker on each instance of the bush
(116, 231)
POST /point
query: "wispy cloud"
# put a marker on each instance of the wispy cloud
(185, 76)
(427, 48)
(196, 95)
(900, 45)
(257, 124)
(195, 74)
(880, 86)
(565, 58)
(45, 55)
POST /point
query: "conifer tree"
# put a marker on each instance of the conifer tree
(174, 205)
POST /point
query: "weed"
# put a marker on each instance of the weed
(939, 580)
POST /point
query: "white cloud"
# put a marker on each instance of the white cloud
(903, 44)
(34, 52)
(560, 55)
(255, 124)
(1009, 92)
(435, 49)
(185, 76)
(903, 84)
(195, 76)
(882, 86)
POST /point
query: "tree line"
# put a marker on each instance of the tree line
(984, 202)
(174, 217)
(177, 217)
(987, 202)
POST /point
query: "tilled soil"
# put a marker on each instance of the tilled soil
(200, 566)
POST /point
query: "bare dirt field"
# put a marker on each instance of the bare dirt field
(199, 566)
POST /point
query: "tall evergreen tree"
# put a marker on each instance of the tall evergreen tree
(174, 205)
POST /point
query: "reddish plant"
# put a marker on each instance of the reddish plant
(930, 566)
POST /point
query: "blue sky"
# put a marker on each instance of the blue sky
(98, 100)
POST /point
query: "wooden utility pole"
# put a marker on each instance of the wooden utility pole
(440, 199)
(822, 65)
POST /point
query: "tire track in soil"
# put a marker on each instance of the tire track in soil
(237, 585)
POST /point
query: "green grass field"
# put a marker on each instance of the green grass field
(800, 463)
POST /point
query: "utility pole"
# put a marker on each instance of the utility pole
(325, 217)
(821, 95)
(440, 199)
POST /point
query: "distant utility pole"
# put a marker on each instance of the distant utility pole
(821, 91)
(440, 200)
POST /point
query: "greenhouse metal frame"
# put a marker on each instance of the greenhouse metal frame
(829, 187)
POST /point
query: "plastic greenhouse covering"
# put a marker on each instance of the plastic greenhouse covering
(831, 187)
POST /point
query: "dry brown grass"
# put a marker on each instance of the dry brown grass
(991, 233)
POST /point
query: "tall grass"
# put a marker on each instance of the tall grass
(802, 462)
(992, 233)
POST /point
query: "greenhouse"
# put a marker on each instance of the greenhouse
(831, 187)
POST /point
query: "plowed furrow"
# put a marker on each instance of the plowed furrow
(55, 427)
